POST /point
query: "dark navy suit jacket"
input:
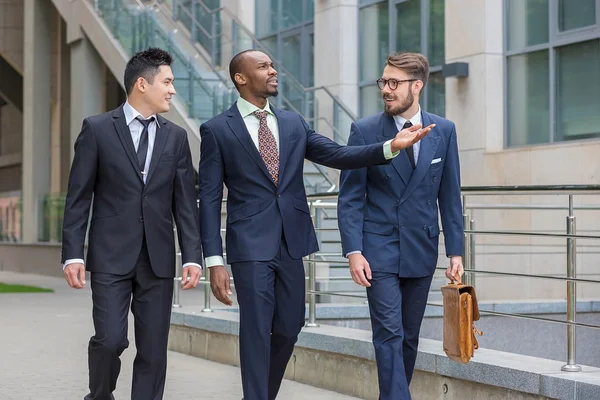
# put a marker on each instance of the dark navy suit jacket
(390, 212)
(257, 209)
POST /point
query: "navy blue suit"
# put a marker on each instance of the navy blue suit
(390, 214)
(269, 230)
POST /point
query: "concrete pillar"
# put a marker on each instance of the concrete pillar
(474, 34)
(88, 85)
(335, 55)
(237, 39)
(36, 113)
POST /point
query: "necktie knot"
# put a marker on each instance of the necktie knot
(261, 115)
(145, 122)
(407, 124)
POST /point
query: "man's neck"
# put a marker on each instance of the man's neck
(411, 112)
(260, 102)
(140, 107)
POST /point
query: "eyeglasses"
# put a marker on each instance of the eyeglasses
(392, 83)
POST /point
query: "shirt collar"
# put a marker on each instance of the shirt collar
(246, 108)
(131, 114)
(416, 119)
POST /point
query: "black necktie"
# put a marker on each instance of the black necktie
(409, 150)
(143, 146)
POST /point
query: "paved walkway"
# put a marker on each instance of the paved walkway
(43, 352)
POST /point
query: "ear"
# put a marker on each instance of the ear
(141, 84)
(417, 87)
(240, 79)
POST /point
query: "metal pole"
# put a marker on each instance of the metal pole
(472, 252)
(178, 272)
(571, 366)
(207, 289)
(312, 284)
(467, 242)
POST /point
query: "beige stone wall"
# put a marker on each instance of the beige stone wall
(11, 32)
(476, 104)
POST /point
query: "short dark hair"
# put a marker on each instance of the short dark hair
(414, 64)
(236, 64)
(145, 64)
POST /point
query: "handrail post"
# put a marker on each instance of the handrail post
(472, 252)
(178, 272)
(206, 288)
(312, 285)
(467, 242)
(571, 366)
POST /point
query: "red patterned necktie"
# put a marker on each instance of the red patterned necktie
(267, 146)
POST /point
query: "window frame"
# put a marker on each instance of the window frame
(392, 17)
(556, 39)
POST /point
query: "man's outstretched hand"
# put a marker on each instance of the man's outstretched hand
(409, 136)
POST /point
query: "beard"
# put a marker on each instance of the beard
(402, 108)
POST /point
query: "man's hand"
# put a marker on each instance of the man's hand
(219, 283)
(455, 271)
(359, 269)
(409, 136)
(75, 275)
(190, 277)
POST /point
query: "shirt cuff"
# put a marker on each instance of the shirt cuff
(387, 150)
(353, 252)
(214, 261)
(192, 264)
(73, 261)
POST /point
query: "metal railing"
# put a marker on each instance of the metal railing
(326, 201)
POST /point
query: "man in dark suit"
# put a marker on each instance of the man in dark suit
(388, 219)
(138, 168)
(258, 152)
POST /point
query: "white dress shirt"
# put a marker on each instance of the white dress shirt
(135, 129)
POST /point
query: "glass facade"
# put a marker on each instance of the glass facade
(401, 25)
(552, 71)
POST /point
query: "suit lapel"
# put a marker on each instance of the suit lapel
(428, 147)
(160, 138)
(236, 124)
(125, 138)
(284, 139)
(401, 163)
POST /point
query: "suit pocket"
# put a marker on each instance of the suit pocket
(96, 216)
(377, 228)
(434, 231)
(300, 204)
(244, 212)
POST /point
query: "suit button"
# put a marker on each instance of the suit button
(425, 227)
(278, 195)
(428, 202)
(387, 177)
(395, 202)
(145, 196)
(401, 226)
(141, 219)
(434, 179)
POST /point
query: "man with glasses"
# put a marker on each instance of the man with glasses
(388, 219)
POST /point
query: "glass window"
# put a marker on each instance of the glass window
(528, 98)
(371, 101)
(576, 14)
(436, 51)
(374, 41)
(436, 94)
(266, 17)
(408, 26)
(291, 13)
(578, 91)
(527, 23)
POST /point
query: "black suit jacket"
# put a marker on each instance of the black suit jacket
(124, 209)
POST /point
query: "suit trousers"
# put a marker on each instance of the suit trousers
(271, 298)
(397, 306)
(151, 308)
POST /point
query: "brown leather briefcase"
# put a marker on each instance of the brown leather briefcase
(460, 312)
